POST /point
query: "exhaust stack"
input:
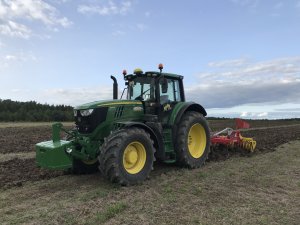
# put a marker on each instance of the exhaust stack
(115, 87)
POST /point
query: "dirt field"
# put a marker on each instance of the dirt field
(17, 138)
(168, 186)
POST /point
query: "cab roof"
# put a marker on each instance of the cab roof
(154, 74)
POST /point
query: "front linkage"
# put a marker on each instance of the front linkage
(59, 154)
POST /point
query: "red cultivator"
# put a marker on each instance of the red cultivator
(233, 138)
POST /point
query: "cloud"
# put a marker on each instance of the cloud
(37, 10)
(67, 96)
(263, 114)
(118, 33)
(29, 10)
(1, 44)
(229, 63)
(110, 8)
(123, 29)
(16, 58)
(276, 81)
(289, 110)
(76, 96)
(226, 95)
(61, 1)
(244, 114)
(13, 29)
(254, 115)
(233, 69)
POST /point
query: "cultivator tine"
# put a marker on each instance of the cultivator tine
(248, 144)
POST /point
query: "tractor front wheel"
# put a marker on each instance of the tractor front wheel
(85, 167)
(126, 156)
(192, 140)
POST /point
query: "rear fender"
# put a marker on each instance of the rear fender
(183, 107)
(179, 111)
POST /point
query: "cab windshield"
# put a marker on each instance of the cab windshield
(141, 88)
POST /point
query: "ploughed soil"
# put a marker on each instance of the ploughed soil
(16, 171)
(22, 139)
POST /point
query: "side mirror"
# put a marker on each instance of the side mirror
(164, 86)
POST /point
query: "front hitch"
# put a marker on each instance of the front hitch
(53, 154)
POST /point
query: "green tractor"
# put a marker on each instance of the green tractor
(123, 138)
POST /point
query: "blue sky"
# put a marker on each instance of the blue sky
(240, 58)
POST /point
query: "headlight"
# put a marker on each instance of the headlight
(86, 112)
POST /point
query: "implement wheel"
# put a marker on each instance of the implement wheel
(192, 144)
(127, 156)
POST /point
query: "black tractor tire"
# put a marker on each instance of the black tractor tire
(192, 143)
(126, 156)
(82, 167)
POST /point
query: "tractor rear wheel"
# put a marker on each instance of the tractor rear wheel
(126, 156)
(192, 144)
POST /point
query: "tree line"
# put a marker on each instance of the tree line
(34, 112)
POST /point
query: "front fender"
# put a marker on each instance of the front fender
(155, 134)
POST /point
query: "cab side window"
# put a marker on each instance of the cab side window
(177, 91)
(173, 93)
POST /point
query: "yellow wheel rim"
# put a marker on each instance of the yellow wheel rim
(134, 157)
(90, 162)
(197, 140)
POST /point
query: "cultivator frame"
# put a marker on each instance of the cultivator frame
(233, 138)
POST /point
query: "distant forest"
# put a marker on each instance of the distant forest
(33, 111)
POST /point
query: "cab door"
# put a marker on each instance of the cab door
(170, 95)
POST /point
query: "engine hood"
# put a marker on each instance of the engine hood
(108, 103)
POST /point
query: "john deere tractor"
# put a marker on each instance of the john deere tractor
(122, 138)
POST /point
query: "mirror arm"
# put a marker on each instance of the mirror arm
(123, 92)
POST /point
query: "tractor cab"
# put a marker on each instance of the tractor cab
(158, 91)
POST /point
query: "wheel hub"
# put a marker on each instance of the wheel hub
(196, 140)
(134, 157)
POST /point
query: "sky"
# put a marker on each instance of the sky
(239, 58)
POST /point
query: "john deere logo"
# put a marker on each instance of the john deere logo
(137, 109)
(167, 107)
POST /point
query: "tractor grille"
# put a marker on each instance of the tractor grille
(87, 124)
(119, 111)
